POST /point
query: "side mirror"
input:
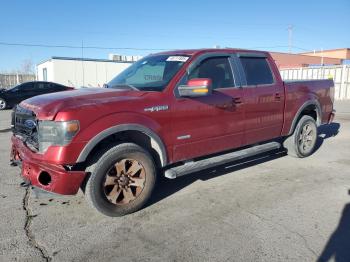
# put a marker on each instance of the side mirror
(196, 87)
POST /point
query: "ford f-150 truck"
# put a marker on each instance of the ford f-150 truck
(170, 114)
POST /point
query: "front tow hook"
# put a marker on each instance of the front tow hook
(15, 163)
(25, 183)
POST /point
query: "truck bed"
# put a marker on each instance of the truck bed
(300, 92)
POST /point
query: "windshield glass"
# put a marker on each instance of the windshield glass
(151, 73)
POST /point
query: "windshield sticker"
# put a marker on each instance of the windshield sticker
(177, 58)
(153, 77)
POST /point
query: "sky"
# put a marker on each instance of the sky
(149, 25)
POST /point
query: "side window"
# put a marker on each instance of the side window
(41, 86)
(218, 69)
(26, 87)
(257, 70)
(50, 87)
(16, 88)
(55, 87)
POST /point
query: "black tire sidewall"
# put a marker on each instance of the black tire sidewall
(108, 159)
(1, 99)
(302, 122)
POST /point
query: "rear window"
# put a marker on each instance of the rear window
(257, 70)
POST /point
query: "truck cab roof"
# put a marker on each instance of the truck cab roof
(192, 52)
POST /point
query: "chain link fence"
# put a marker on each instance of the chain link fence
(10, 80)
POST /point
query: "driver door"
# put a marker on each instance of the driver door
(213, 123)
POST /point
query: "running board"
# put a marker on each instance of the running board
(192, 167)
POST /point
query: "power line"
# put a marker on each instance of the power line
(279, 46)
(303, 49)
(79, 47)
(128, 48)
(267, 47)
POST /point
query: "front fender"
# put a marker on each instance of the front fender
(112, 124)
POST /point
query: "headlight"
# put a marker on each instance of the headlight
(58, 133)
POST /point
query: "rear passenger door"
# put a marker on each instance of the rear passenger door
(263, 98)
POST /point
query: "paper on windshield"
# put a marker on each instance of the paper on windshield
(177, 58)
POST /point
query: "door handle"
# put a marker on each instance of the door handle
(237, 100)
(277, 97)
(230, 104)
(224, 105)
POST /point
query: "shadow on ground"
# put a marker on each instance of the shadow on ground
(326, 131)
(338, 245)
(167, 187)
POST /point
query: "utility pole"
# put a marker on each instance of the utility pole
(290, 38)
(82, 61)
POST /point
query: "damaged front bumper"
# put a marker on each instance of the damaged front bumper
(38, 173)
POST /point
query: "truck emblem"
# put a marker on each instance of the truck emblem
(30, 124)
(156, 108)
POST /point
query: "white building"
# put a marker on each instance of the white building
(78, 72)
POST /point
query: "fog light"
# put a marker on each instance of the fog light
(44, 178)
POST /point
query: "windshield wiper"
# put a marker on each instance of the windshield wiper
(124, 86)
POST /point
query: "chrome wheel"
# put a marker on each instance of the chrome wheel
(2, 104)
(124, 181)
(307, 138)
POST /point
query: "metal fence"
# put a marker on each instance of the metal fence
(9, 80)
(340, 75)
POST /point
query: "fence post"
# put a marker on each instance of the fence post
(347, 83)
(343, 82)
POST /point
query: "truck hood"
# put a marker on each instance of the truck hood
(47, 106)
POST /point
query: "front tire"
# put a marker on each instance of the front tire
(303, 140)
(121, 181)
(3, 104)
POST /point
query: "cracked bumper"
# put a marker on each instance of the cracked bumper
(61, 181)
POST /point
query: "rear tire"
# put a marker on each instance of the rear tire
(3, 104)
(121, 181)
(303, 140)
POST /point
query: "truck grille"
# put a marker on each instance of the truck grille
(24, 126)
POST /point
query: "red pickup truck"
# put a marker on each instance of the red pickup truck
(171, 114)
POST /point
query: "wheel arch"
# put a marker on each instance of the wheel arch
(312, 108)
(136, 133)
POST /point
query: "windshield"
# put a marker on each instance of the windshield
(151, 73)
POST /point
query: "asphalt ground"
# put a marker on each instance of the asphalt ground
(268, 208)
